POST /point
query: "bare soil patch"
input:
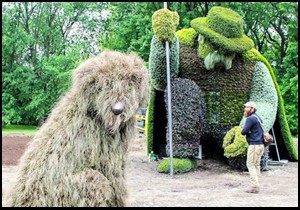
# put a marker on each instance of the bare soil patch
(213, 183)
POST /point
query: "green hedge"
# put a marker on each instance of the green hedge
(179, 165)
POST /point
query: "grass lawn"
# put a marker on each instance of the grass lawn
(19, 129)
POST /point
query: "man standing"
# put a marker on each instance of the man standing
(254, 136)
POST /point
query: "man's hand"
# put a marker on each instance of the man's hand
(164, 23)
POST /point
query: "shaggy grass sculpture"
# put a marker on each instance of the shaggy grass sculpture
(78, 156)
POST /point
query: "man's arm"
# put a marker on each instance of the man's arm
(247, 126)
(264, 94)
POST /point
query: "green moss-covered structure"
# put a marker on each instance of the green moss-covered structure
(222, 91)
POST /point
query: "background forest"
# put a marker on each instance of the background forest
(43, 42)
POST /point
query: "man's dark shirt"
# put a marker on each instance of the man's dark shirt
(253, 130)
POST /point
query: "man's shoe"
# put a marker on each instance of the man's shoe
(252, 190)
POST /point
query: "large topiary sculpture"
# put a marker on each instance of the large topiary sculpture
(227, 71)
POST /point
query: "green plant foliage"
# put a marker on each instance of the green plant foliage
(225, 92)
(179, 165)
(162, 28)
(224, 28)
(187, 117)
(39, 52)
(128, 27)
(289, 86)
(149, 121)
(19, 129)
(263, 81)
(253, 54)
(157, 63)
(187, 36)
(235, 144)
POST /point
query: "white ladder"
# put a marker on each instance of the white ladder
(279, 161)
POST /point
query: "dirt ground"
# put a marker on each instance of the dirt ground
(212, 184)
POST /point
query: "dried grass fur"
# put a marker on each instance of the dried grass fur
(78, 156)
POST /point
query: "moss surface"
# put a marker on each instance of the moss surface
(235, 144)
(187, 36)
(164, 23)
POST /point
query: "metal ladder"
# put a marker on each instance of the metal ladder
(279, 161)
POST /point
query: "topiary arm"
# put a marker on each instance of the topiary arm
(164, 24)
(158, 66)
(253, 54)
(264, 94)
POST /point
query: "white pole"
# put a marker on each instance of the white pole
(169, 102)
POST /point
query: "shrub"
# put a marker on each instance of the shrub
(179, 165)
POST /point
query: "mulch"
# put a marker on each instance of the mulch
(13, 148)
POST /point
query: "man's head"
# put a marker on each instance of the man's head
(249, 108)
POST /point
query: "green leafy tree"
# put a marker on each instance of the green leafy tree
(128, 27)
(42, 44)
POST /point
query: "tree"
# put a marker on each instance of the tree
(42, 44)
